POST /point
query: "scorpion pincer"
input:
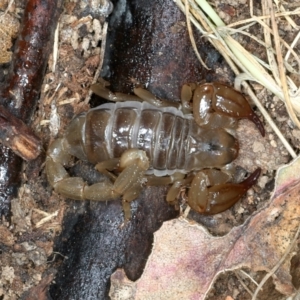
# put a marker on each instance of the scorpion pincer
(140, 139)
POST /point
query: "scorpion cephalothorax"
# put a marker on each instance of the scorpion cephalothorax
(144, 140)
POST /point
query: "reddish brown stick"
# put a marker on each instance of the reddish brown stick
(21, 91)
(16, 135)
(30, 57)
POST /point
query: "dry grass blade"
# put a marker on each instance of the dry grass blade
(268, 5)
(189, 27)
(282, 9)
(270, 74)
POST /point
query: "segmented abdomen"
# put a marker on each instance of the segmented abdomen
(113, 128)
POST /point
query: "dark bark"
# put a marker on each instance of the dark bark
(21, 91)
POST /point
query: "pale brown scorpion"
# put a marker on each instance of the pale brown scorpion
(145, 140)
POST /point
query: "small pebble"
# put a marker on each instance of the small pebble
(273, 143)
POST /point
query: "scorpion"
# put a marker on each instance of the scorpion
(138, 140)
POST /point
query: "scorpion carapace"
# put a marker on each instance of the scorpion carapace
(142, 140)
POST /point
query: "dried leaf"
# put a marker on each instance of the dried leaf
(186, 259)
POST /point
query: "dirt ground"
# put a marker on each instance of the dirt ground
(38, 247)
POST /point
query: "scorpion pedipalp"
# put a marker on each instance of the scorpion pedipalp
(218, 197)
(216, 98)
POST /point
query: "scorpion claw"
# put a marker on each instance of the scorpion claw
(223, 196)
(223, 100)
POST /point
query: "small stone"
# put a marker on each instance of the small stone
(273, 144)
(241, 210)
(262, 181)
(38, 256)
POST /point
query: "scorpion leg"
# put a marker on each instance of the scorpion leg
(186, 96)
(105, 167)
(177, 180)
(141, 95)
(212, 99)
(73, 187)
(175, 189)
(147, 96)
(153, 180)
(133, 164)
(105, 93)
(219, 197)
